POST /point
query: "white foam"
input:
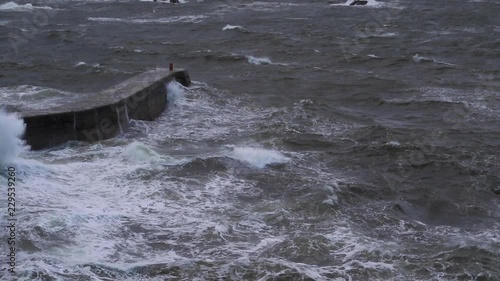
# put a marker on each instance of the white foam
(11, 130)
(257, 157)
(138, 152)
(267, 243)
(203, 117)
(105, 203)
(173, 19)
(393, 143)
(175, 93)
(258, 61)
(11, 6)
(260, 5)
(418, 59)
(32, 97)
(331, 199)
(263, 61)
(388, 34)
(232, 27)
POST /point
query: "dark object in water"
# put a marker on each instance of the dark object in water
(174, 1)
(358, 2)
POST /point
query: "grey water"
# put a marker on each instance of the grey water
(319, 141)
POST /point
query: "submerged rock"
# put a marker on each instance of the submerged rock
(358, 2)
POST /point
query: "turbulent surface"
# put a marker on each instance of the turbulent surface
(319, 142)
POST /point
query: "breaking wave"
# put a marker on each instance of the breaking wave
(232, 27)
(11, 130)
(257, 157)
(11, 6)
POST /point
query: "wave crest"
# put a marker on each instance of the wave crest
(11, 130)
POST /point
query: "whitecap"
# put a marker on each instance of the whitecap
(418, 59)
(257, 157)
(27, 97)
(259, 61)
(138, 152)
(393, 144)
(232, 27)
(11, 6)
(173, 19)
(388, 34)
(175, 93)
(11, 130)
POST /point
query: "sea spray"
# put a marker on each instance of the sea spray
(232, 27)
(138, 152)
(257, 157)
(11, 130)
(175, 93)
(259, 61)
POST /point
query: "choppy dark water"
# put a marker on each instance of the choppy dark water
(319, 141)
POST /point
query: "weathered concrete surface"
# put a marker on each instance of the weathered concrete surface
(94, 117)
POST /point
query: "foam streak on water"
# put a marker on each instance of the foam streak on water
(175, 93)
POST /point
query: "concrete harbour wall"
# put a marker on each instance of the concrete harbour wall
(94, 117)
